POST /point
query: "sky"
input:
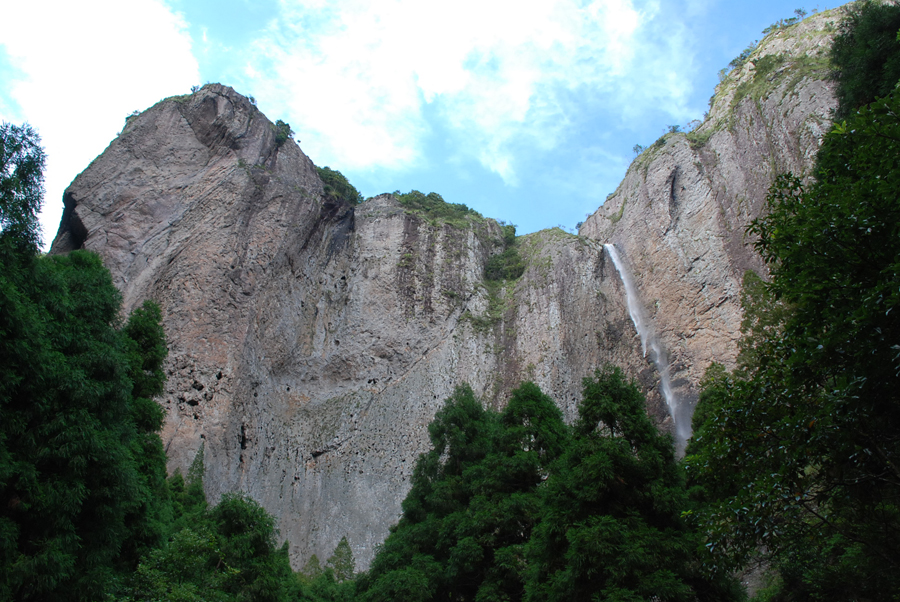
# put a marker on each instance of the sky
(525, 110)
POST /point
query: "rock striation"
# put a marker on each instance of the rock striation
(311, 342)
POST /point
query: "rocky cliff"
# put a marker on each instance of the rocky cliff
(680, 214)
(311, 342)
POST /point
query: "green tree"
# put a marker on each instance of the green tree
(612, 525)
(21, 182)
(283, 131)
(473, 502)
(866, 55)
(341, 561)
(227, 554)
(81, 467)
(799, 453)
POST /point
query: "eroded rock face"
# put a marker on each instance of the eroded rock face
(311, 343)
(680, 215)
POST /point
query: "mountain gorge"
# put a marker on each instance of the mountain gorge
(312, 341)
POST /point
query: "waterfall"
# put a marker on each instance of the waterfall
(680, 416)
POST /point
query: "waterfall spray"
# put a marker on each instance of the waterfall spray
(657, 352)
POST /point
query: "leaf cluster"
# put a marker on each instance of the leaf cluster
(434, 207)
(82, 470)
(283, 132)
(508, 264)
(21, 183)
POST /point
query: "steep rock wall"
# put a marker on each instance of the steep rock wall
(679, 216)
(311, 343)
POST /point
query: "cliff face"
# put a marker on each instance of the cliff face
(680, 214)
(311, 342)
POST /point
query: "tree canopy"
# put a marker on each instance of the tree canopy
(82, 470)
(338, 187)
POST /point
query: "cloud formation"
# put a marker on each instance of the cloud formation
(362, 81)
(79, 68)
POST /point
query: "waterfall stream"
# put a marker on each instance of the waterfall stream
(657, 352)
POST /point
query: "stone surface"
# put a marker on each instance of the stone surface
(311, 342)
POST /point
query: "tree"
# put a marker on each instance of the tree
(283, 131)
(473, 503)
(21, 182)
(82, 490)
(80, 462)
(227, 554)
(799, 452)
(341, 561)
(866, 55)
(612, 525)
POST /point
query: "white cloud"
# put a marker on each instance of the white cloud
(84, 66)
(360, 79)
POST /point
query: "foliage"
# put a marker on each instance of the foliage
(21, 183)
(799, 14)
(283, 131)
(740, 59)
(515, 505)
(433, 207)
(508, 264)
(798, 454)
(762, 81)
(612, 525)
(82, 471)
(81, 467)
(472, 504)
(341, 562)
(866, 55)
(337, 187)
(226, 554)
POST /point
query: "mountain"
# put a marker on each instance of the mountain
(312, 341)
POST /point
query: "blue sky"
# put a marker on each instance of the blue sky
(526, 110)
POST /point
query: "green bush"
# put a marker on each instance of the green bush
(434, 207)
(338, 187)
(283, 132)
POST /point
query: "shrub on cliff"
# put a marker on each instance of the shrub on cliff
(337, 187)
(866, 55)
